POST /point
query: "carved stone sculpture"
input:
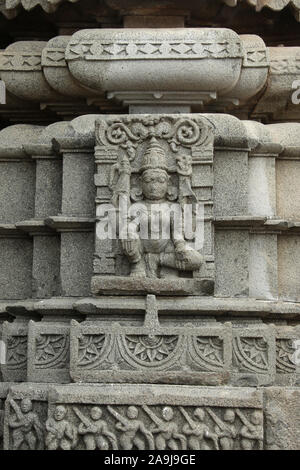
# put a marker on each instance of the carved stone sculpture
(27, 431)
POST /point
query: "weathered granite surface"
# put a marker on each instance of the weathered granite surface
(145, 339)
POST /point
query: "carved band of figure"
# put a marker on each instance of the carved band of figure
(198, 430)
(95, 430)
(130, 427)
(152, 253)
(167, 430)
(61, 435)
(26, 426)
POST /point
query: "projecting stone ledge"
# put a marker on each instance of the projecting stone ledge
(113, 285)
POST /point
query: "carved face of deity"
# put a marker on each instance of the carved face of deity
(155, 184)
(26, 405)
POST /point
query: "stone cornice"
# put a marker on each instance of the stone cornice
(209, 70)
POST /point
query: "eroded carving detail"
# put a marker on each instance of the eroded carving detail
(120, 50)
(90, 349)
(251, 354)
(141, 351)
(154, 428)
(61, 434)
(27, 431)
(16, 352)
(52, 351)
(284, 356)
(151, 349)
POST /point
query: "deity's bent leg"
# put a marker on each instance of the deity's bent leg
(191, 261)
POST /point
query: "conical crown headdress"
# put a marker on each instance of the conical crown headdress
(154, 158)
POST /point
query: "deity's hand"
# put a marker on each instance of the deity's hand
(128, 246)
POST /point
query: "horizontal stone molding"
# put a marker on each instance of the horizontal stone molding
(226, 72)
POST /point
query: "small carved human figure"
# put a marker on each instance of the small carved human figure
(166, 430)
(27, 430)
(162, 250)
(197, 431)
(225, 429)
(131, 427)
(61, 435)
(185, 170)
(95, 430)
(252, 431)
(119, 181)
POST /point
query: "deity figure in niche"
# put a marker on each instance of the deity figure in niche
(157, 252)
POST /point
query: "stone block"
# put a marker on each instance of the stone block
(171, 354)
(17, 191)
(230, 182)
(263, 275)
(48, 352)
(48, 187)
(26, 409)
(288, 174)
(254, 355)
(15, 338)
(262, 186)
(289, 267)
(117, 285)
(148, 417)
(78, 197)
(46, 266)
(77, 249)
(232, 263)
(282, 418)
(287, 355)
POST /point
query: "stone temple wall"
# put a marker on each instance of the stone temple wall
(102, 335)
